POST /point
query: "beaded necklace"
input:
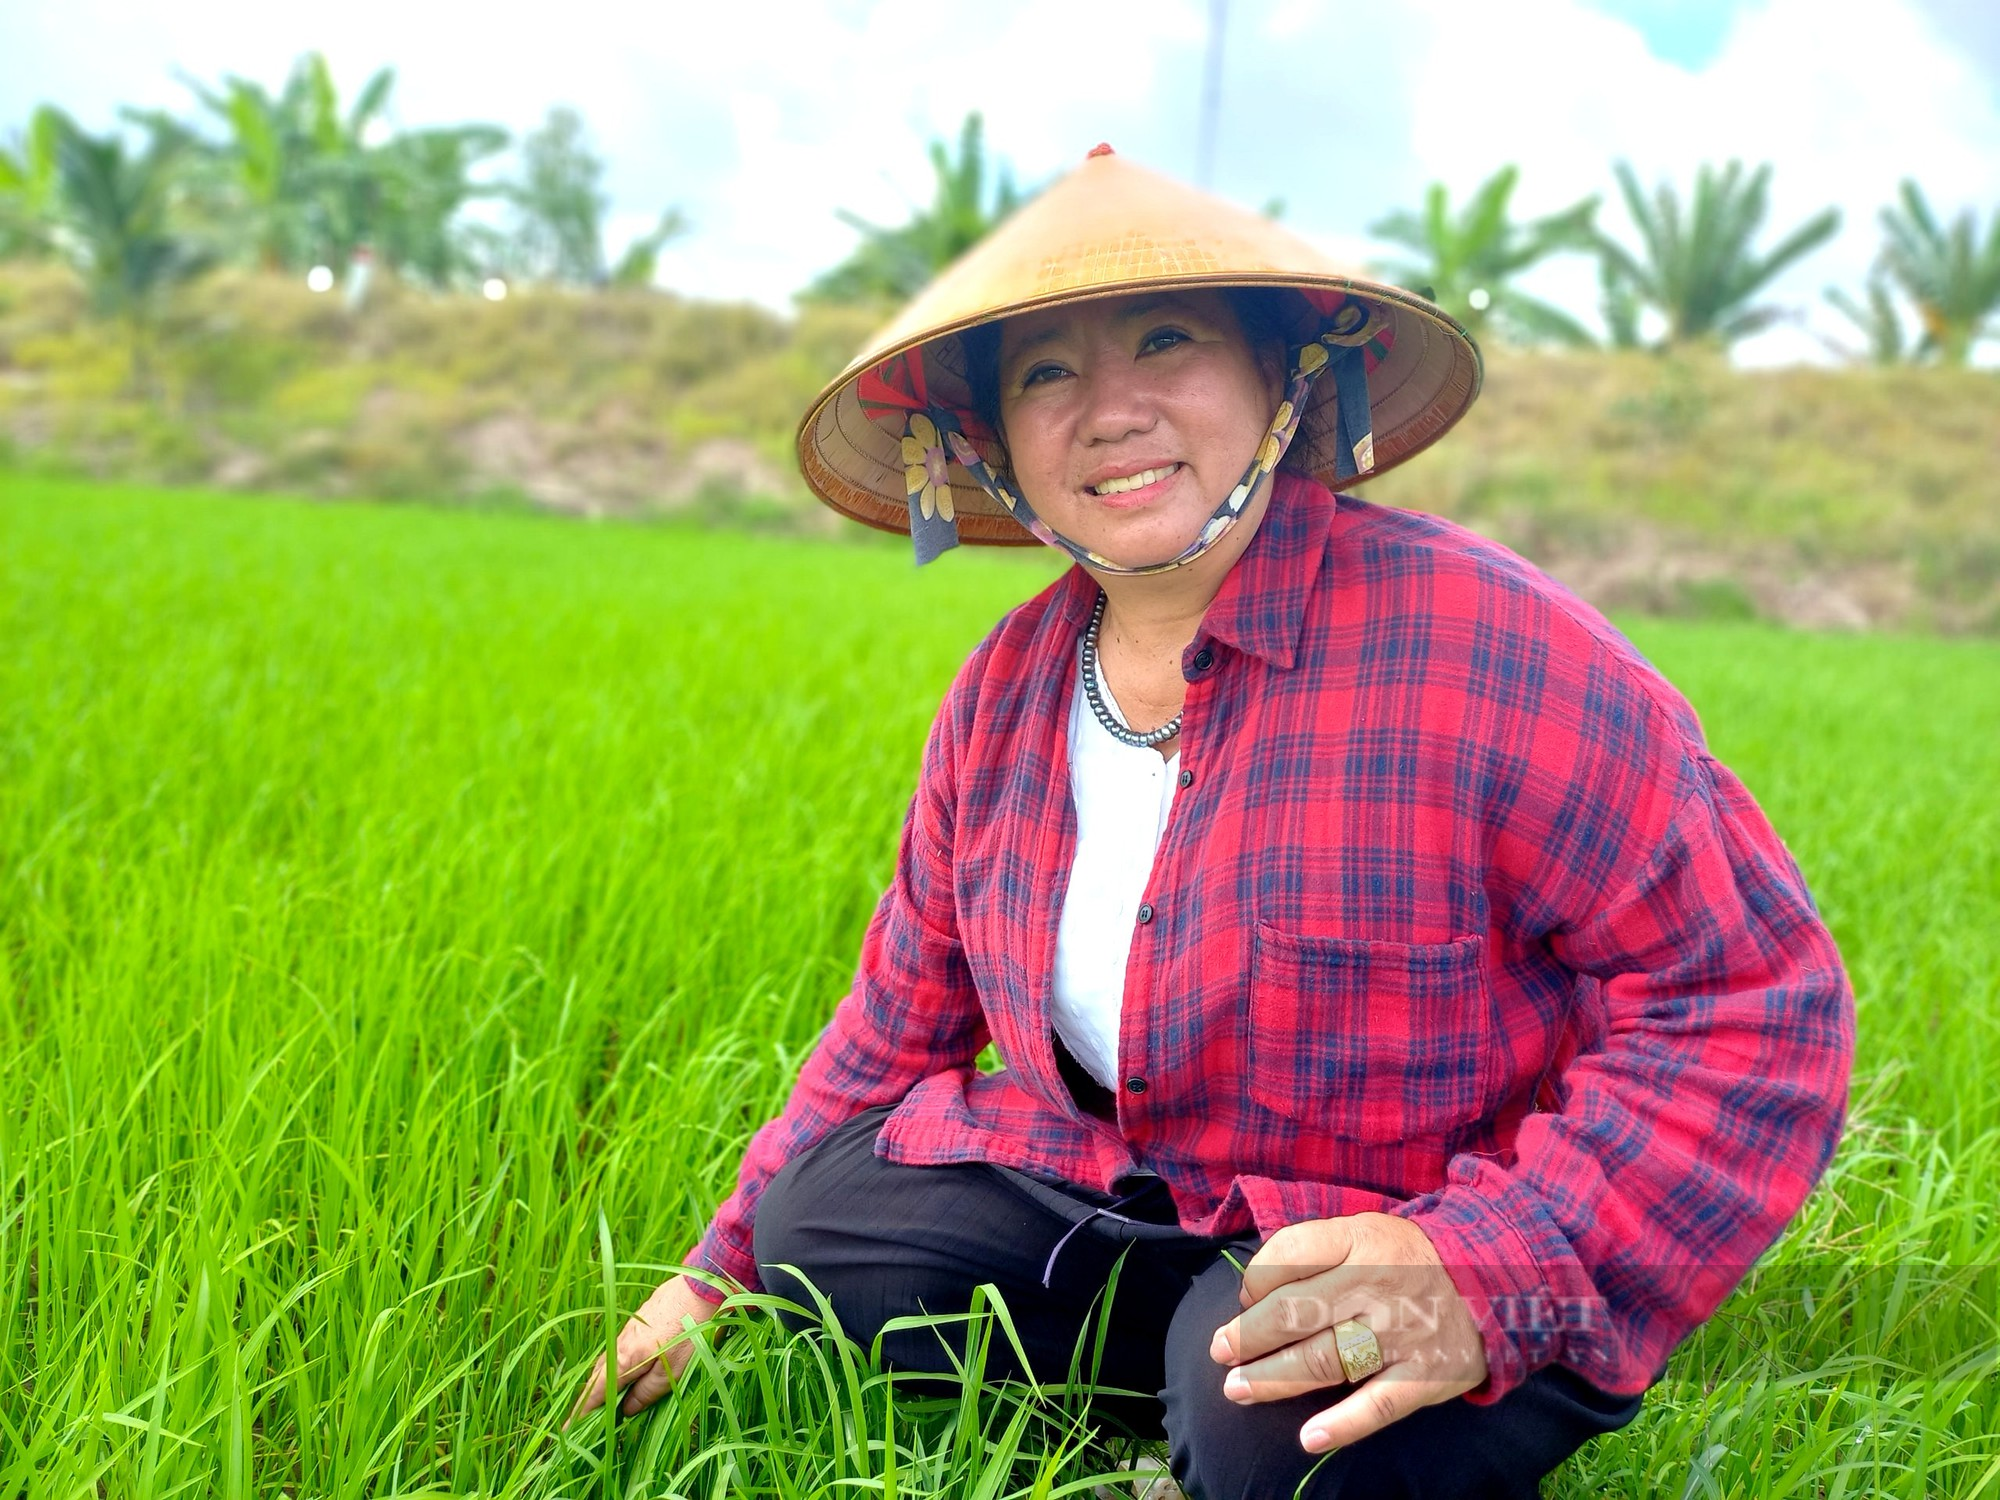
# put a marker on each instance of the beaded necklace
(1093, 689)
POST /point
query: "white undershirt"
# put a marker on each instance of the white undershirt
(1123, 795)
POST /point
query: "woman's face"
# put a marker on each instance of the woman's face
(1129, 419)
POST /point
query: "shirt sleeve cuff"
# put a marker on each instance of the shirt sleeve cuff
(712, 1295)
(1522, 1318)
(715, 1254)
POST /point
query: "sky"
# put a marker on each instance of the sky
(761, 122)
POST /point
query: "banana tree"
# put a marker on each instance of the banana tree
(1696, 266)
(1951, 275)
(404, 199)
(1469, 260)
(892, 264)
(28, 186)
(281, 177)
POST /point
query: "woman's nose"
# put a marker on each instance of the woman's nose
(1117, 403)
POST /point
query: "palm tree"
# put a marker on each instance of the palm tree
(28, 186)
(893, 264)
(1877, 320)
(1620, 305)
(1951, 275)
(1471, 259)
(116, 209)
(1696, 268)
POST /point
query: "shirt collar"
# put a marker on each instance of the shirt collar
(1261, 607)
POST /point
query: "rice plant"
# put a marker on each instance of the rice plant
(406, 916)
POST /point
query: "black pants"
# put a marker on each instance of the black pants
(882, 1241)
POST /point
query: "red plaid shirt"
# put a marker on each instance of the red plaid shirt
(1455, 918)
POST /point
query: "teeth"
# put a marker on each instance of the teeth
(1134, 481)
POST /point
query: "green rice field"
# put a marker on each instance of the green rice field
(406, 915)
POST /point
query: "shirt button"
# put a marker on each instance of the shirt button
(1145, 912)
(1135, 1085)
(1187, 778)
(1204, 659)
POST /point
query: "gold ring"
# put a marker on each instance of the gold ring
(1360, 1356)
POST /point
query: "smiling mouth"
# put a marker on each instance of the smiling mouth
(1129, 482)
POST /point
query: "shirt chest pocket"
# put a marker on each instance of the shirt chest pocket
(1373, 1041)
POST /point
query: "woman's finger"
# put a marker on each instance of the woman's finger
(1297, 1310)
(652, 1347)
(654, 1382)
(638, 1348)
(1308, 1364)
(1375, 1403)
(1295, 1253)
(592, 1397)
(649, 1380)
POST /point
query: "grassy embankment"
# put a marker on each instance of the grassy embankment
(405, 916)
(1817, 497)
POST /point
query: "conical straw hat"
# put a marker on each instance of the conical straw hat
(1110, 228)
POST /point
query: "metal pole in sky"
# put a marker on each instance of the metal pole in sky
(1211, 91)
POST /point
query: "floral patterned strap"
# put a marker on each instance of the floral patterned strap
(933, 516)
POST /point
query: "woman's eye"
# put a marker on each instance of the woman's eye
(1037, 374)
(1163, 338)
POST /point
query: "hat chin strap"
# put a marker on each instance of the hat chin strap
(933, 523)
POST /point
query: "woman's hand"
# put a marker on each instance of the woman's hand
(653, 1349)
(1375, 1267)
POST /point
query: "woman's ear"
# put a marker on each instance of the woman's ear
(1275, 373)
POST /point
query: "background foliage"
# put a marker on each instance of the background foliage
(1671, 484)
(471, 336)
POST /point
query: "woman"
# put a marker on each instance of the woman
(1348, 903)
